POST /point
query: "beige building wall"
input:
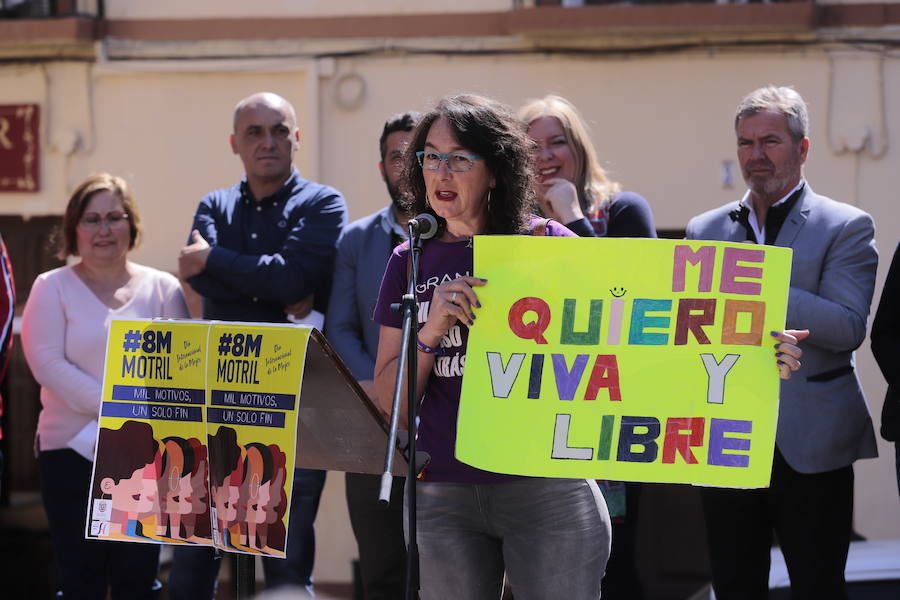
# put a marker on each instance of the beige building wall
(661, 123)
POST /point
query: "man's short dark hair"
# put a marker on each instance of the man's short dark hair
(399, 122)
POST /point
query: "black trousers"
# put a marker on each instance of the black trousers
(86, 567)
(811, 515)
(621, 581)
(379, 536)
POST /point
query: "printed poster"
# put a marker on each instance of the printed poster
(150, 481)
(197, 434)
(254, 373)
(624, 359)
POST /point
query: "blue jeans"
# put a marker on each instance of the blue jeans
(550, 536)
(194, 570)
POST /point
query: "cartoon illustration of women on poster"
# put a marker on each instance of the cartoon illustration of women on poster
(183, 477)
(262, 493)
(227, 470)
(254, 372)
(152, 417)
(126, 480)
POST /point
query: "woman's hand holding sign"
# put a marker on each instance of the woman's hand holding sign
(452, 301)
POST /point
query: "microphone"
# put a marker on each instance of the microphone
(421, 227)
(425, 225)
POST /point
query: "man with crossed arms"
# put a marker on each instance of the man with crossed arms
(260, 251)
(823, 421)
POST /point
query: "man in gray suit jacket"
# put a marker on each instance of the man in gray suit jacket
(823, 421)
(362, 254)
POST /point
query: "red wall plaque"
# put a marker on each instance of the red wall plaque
(19, 148)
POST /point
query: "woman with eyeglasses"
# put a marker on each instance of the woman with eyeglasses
(469, 165)
(64, 333)
(572, 187)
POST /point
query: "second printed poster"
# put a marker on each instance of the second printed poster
(253, 377)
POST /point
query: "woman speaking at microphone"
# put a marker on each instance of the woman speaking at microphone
(470, 164)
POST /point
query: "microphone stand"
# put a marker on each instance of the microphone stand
(407, 364)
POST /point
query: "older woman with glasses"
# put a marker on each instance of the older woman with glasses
(64, 332)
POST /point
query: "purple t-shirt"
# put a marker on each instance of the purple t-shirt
(440, 262)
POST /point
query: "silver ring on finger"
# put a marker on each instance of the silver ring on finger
(453, 297)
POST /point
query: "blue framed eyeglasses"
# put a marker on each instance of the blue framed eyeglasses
(458, 162)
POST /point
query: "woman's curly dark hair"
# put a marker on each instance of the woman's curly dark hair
(491, 130)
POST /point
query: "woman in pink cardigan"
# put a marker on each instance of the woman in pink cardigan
(64, 332)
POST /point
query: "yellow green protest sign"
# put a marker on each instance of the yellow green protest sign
(624, 359)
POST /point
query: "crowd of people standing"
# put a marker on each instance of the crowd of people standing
(276, 246)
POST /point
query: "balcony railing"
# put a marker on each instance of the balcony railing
(44, 9)
(574, 3)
